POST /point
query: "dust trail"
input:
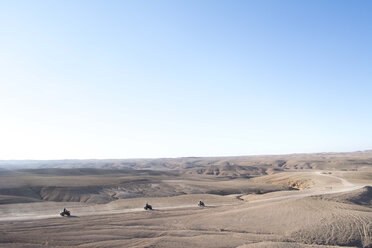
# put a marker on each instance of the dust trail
(105, 212)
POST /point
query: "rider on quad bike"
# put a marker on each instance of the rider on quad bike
(148, 207)
(201, 204)
(65, 212)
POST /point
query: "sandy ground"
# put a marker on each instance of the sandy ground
(296, 218)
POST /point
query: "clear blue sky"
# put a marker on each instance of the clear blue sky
(124, 79)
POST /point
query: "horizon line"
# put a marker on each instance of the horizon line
(180, 157)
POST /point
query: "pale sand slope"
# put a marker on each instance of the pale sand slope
(281, 219)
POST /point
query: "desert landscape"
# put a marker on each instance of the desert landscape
(185, 124)
(299, 200)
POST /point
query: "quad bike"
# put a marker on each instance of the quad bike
(201, 204)
(148, 207)
(65, 212)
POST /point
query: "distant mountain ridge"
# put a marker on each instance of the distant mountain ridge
(223, 166)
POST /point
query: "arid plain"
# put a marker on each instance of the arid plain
(299, 200)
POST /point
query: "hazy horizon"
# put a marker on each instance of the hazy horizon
(117, 80)
(155, 158)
